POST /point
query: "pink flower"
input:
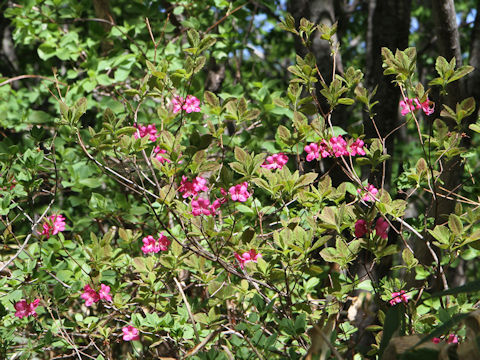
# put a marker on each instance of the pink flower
(247, 257)
(425, 106)
(399, 297)
(25, 309)
(357, 148)
(104, 293)
(381, 228)
(53, 225)
(201, 206)
(452, 339)
(157, 151)
(239, 192)
(192, 188)
(407, 106)
(150, 245)
(369, 195)
(89, 295)
(360, 228)
(275, 161)
(312, 151)
(149, 130)
(163, 242)
(339, 146)
(177, 102)
(436, 340)
(190, 104)
(130, 333)
(216, 205)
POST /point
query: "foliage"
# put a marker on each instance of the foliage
(197, 237)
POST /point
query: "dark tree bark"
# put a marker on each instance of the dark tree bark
(386, 28)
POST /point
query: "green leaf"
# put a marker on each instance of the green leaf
(455, 224)
(392, 325)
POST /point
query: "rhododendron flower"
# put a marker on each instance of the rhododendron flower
(425, 106)
(150, 245)
(25, 309)
(104, 293)
(360, 228)
(149, 130)
(357, 148)
(398, 297)
(89, 295)
(130, 333)
(275, 161)
(188, 188)
(436, 340)
(368, 195)
(239, 192)
(407, 106)
(339, 146)
(157, 154)
(190, 104)
(163, 242)
(452, 339)
(246, 257)
(312, 151)
(201, 206)
(53, 225)
(381, 228)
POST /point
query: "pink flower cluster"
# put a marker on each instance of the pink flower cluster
(370, 194)
(130, 333)
(151, 245)
(190, 104)
(247, 257)
(239, 192)
(336, 146)
(381, 228)
(451, 339)
(192, 188)
(398, 297)
(149, 130)
(157, 154)
(200, 205)
(53, 225)
(91, 296)
(410, 105)
(25, 309)
(275, 161)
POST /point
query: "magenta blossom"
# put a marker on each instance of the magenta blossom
(163, 242)
(407, 106)
(452, 339)
(370, 194)
(312, 151)
(275, 161)
(381, 228)
(360, 228)
(201, 206)
(157, 154)
(89, 295)
(104, 293)
(357, 148)
(239, 192)
(192, 188)
(410, 105)
(247, 257)
(151, 245)
(130, 333)
(53, 225)
(398, 297)
(25, 309)
(149, 130)
(190, 104)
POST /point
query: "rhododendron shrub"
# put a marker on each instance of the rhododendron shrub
(155, 215)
